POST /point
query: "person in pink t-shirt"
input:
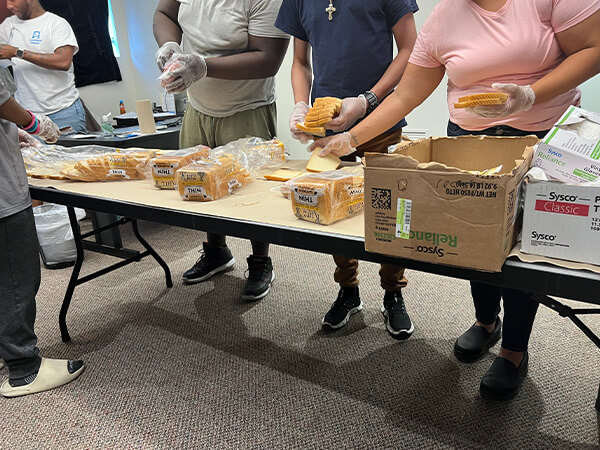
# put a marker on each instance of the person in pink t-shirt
(537, 52)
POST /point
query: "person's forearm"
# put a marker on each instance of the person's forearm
(416, 86)
(165, 29)
(392, 75)
(250, 65)
(50, 61)
(301, 82)
(572, 72)
(15, 113)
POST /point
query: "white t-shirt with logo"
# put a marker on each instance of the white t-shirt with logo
(40, 90)
(213, 28)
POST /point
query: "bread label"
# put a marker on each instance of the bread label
(308, 197)
(403, 216)
(309, 213)
(195, 191)
(233, 184)
(119, 172)
(161, 171)
(353, 191)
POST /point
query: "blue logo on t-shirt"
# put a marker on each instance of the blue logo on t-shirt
(36, 38)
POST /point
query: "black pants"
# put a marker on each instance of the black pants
(519, 308)
(19, 283)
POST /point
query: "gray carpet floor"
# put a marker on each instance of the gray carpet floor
(196, 367)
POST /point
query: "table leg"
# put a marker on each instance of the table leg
(62, 317)
(152, 252)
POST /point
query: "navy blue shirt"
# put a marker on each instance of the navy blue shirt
(351, 53)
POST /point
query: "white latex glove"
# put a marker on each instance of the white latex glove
(353, 109)
(339, 145)
(47, 129)
(182, 71)
(26, 140)
(520, 98)
(165, 53)
(298, 115)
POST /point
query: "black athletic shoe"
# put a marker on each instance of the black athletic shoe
(211, 262)
(503, 380)
(397, 320)
(347, 303)
(475, 342)
(260, 278)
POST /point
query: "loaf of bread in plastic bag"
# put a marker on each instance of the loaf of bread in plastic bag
(211, 179)
(162, 169)
(327, 197)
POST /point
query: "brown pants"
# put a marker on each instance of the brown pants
(346, 272)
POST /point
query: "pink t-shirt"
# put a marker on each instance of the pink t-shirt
(516, 44)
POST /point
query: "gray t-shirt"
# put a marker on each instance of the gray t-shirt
(14, 189)
(214, 28)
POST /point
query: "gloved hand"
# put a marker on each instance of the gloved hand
(26, 140)
(298, 115)
(165, 53)
(47, 129)
(339, 145)
(520, 98)
(353, 109)
(182, 71)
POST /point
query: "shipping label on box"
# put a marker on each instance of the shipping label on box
(437, 211)
(562, 221)
(571, 150)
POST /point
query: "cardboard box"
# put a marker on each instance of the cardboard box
(570, 152)
(562, 221)
(422, 203)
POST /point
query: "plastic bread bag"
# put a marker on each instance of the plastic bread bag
(116, 165)
(212, 179)
(161, 169)
(255, 154)
(327, 197)
(50, 161)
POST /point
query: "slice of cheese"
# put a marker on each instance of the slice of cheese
(283, 175)
(317, 163)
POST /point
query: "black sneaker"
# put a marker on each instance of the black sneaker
(474, 343)
(503, 379)
(211, 262)
(347, 303)
(260, 278)
(398, 321)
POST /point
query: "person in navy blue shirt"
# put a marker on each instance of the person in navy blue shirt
(352, 44)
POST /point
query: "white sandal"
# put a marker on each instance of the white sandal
(52, 374)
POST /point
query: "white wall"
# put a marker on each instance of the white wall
(133, 20)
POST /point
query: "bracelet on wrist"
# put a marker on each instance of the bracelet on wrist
(31, 124)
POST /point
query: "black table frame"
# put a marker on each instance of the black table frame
(543, 280)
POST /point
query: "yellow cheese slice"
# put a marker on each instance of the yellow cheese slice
(317, 163)
(283, 175)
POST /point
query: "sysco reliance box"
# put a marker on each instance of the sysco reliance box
(562, 221)
(423, 203)
(570, 152)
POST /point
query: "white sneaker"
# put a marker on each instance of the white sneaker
(52, 374)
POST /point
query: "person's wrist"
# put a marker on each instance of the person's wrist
(31, 125)
(353, 139)
(372, 101)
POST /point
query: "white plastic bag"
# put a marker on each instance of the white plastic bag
(55, 234)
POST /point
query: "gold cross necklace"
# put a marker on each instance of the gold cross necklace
(330, 10)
